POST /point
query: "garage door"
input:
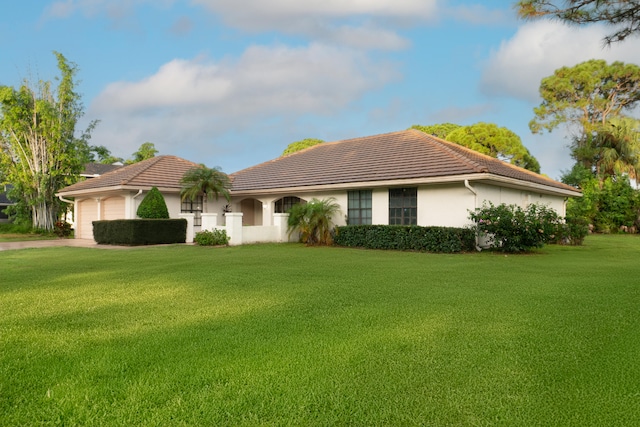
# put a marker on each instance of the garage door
(87, 213)
(113, 208)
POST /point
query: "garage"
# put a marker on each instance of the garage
(87, 213)
(112, 208)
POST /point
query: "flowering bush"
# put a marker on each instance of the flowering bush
(62, 229)
(509, 228)
(211, 238)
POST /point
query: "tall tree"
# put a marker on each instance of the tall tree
(301, 145)
(623, 15)
(440, 130)
(38, 147)
(587, 95)
(146, 151)
(103, 155)
(205, 182)
(489, 139)
(612, 150)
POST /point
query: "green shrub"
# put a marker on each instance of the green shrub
(406, 237)
(153, 205)
(140, 231)
(62, 229)
(610, 206)
(574, 230)
(211, 238)
(509, 228)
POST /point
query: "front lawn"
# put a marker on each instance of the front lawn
(290, 335)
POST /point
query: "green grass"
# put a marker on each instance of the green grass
(289, 335)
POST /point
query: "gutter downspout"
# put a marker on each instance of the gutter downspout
(475, 206)
(133, 198)
(71, 202)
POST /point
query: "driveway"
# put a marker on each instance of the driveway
(81, 243)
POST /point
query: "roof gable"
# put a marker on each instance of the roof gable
(409, 154)
(161, 171)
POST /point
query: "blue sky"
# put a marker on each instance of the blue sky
(231, 83)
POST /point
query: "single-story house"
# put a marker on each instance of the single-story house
(405, 177)
(4, 203)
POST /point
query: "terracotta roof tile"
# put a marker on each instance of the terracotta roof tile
(160, 171)
(399, 155)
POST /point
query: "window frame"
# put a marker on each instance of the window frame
(362, 214)
(403, 206)
(191, 206)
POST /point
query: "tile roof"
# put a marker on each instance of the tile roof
(408, 154)
(161, 171)
(93, 169)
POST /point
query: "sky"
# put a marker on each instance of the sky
(231, 83)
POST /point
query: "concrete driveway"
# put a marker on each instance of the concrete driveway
(80, 243)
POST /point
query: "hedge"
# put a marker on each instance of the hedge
(140, 231)
(406, 238)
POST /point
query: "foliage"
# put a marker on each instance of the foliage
(301, 145)
(101, 154)
(153, 205)
(406, 238)
(609, 206)
(486, 138)
(623, 15)
(216, 237)
(498, 142)
(587, 94)
(439, 130)
(611, 150)
(573, 231)
(509, 228)
(39, 151)
(272, 335)
(313, 220)
(208, 182)
(140, 231)
(145, 151)
(62, 229)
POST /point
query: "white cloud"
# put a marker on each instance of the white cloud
(369, 24)
(192, 101)
(479, 14)
(539, 48)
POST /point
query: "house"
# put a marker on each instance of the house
(118, 193)
(405, 177)
(4, 203)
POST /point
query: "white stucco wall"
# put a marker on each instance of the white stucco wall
(438, 205)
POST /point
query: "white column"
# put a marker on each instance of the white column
(209, 221)
(190, 219)
(280, 221)
(234, 227)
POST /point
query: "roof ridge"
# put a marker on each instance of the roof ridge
(141, 167)
(451, 147)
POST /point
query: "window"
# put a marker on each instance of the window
(283, 205)
(359, 207)
(403, 206)
(195, 207)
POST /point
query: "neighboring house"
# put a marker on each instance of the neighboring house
(117, 194)
(4, 203)
(93, 170)
(405, 177)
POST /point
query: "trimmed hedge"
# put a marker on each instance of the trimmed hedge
(406, 238)
(140, 231)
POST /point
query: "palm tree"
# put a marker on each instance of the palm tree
(612, 150)
(313, 220)
(620, 148)
(208, 182)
